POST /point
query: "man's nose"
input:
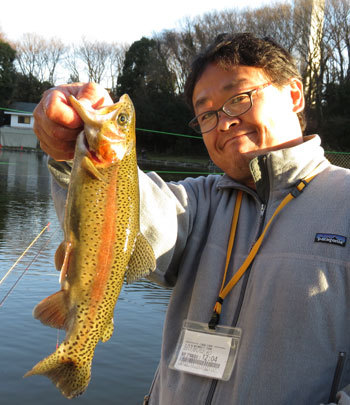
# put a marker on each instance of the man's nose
(225, 121)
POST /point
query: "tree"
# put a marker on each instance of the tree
(337, 40)
(71, 63)
(335, 130)
(179, 49)
(53, 53)
(94, 55)
(116, 61)
(28, 88)
(38, 57)
(145, 70)
(151, 86)
(275, 21)
(7, 73)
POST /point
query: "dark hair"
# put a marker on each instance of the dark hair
(245, 49)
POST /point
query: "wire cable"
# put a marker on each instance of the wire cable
(27, 268)
(23, 254)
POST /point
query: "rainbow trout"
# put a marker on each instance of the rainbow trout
(102, 243)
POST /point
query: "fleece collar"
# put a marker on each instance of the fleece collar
(276, 172)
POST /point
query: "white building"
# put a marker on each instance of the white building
(19, 134)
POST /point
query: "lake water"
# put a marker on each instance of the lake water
(123, 367)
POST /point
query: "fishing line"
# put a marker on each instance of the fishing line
(26, 250)
(33, 260)
(58, 339)
(179, 172)
(169, 133)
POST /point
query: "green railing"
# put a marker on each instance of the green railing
(341, 159)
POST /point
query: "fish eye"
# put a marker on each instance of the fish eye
(122, 119)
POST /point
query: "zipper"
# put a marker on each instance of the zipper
(337, 376)
(214, 383)
(234, 324)
(147, 397)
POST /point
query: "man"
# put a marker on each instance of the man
(285, 257)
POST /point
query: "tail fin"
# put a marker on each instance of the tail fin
(69, 377)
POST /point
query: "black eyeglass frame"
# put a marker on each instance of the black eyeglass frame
(194, 123)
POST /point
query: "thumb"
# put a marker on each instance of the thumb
(93, 95)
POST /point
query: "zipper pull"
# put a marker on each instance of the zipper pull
(260, 223)
(262, 210)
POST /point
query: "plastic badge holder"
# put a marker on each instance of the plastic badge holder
(206, 352)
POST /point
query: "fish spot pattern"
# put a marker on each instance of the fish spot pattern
(102, 226)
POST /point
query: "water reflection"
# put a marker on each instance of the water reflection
(24, 191)
(23, 172)
(150, 292)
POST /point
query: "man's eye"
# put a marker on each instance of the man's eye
(239, 99)
(206, 116)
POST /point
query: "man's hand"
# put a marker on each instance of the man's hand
(56, 124)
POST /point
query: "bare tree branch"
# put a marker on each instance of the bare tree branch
(39, 57)
(94, 55)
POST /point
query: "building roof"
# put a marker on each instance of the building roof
(22, 107)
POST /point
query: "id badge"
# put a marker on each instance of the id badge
(206, 352)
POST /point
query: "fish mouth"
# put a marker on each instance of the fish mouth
(108, 152)
(91, 154)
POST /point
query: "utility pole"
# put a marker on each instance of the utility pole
(312, 82)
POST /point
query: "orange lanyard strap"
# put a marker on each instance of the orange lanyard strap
(297, 190)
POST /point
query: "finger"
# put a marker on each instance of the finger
(55, 147)
(67, 153)
(55, 105)
(57, 124)
(95, 95)
(56, 108)
(45, 128)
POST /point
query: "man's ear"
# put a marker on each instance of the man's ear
(297, 95)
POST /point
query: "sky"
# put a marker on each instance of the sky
(119, 21)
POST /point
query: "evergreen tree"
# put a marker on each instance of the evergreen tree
(29, 89)
(335, 131)
(7, 73)
(147, 79)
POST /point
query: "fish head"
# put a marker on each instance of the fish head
(109, 131)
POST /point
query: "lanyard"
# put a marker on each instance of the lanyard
(297, 190)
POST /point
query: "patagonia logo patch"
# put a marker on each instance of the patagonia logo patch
(330, 238)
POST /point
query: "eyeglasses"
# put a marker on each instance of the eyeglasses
(233, 107)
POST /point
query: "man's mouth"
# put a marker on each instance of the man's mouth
(231, 138)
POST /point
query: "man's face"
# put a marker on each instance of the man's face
(270, 124)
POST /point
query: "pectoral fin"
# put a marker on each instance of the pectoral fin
(142, 261)
(62, 256)
(59, 256)
(108, 332)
